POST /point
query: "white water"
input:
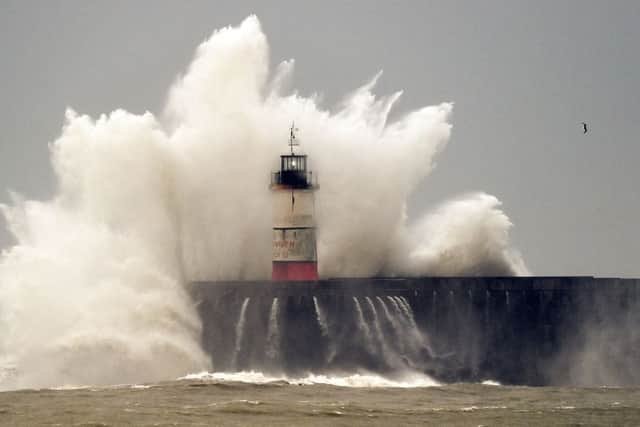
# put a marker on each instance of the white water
(239, 332)
(379, 334)
(405, 312)
(363, 327)
(92, 291)
(408, 379)
(396, 307)
(420, 337)
(321, 317)
(401, 321)
(397, 328)
(413, 339)
(406, 308)
(273, 332)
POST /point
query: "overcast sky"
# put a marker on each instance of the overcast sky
(522, 75)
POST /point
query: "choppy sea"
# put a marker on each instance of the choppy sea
(253, 399)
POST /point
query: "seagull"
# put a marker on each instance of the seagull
(584, 127)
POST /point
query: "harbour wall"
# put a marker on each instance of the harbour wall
(514, 330)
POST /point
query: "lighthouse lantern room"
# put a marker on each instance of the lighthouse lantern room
(294, 231)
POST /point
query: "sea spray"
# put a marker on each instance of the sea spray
(352, 143)
(421, 339)
(239, 333)
(405, 312)
(323, 324)
(391, 319)
(376, 326)
(399, 312)
(273, 332)
(321, 318)
(398, 335)
(93, 290)
(81, 304)
(408, 311)
(468, 236)
(412, 339)
(363, 327)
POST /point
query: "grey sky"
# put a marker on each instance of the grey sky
(523, 76)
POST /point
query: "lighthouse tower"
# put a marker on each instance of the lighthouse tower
(294, 232)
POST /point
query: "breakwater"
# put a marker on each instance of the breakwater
(515, 330)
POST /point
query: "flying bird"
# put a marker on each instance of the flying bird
(584, 127)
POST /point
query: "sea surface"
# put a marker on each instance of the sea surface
(252, 399)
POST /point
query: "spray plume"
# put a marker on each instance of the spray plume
(92, 292)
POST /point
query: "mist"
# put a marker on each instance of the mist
(93, 290)
(603, 350)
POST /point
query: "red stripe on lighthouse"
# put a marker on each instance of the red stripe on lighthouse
(287, 271)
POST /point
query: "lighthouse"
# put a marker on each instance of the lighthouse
(294, 231)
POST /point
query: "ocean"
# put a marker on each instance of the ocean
(252, 399)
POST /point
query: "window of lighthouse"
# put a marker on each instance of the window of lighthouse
(293, 172)
(294, 163)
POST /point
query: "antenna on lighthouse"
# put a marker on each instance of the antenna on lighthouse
(292, 136)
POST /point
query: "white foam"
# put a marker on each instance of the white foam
(407, 380)
(252, 377)
(480, 408)
(140, 386)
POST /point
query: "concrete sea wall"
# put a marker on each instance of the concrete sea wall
(515, 330)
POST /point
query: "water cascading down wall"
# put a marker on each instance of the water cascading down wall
(515, 330)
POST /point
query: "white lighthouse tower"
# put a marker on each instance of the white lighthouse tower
(294, 231)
